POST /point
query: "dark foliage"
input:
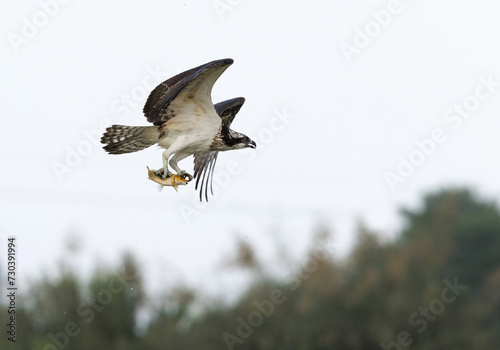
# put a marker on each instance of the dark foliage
(435, 287)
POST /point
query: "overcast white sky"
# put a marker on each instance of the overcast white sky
(355, 84)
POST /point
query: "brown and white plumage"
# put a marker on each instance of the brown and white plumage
(204, 162)
(185, 122)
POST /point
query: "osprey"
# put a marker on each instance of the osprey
(185, 122)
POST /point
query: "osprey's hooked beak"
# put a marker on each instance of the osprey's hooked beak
(252, 144)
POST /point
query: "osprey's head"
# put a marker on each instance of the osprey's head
(229, 139)
(238, 140)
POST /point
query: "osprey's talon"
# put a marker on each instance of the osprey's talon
(186, 176)
(163, 174)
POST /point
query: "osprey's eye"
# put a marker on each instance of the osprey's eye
(244, 140)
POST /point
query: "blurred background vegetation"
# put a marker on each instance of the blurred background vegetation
(436, 286)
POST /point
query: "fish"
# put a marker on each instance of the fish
(173, 180)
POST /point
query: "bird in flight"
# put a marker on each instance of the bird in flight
(185, 122)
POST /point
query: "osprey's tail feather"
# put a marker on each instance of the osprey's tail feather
(120, 139)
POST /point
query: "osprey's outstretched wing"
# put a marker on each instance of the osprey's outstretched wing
(228, 109)
(204, 162)
(186, 95)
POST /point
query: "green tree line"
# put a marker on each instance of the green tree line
(435, 286)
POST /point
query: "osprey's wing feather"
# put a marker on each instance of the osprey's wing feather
(228, 109)
(185, 93)
(204, 162)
